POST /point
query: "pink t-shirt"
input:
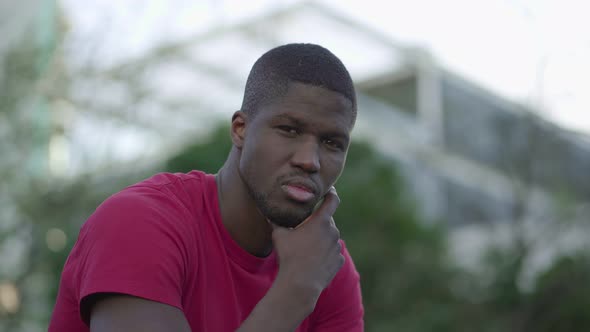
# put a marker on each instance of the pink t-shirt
(163, 240)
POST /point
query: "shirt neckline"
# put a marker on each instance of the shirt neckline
(238, 254)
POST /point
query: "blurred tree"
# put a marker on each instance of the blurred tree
(512, 303)
(402, 261)
(561, 299)
(22, 122)
(207, 155)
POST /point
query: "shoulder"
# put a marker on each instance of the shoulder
(174, 185)
(165, 197)
(165, 179)
(140, 242)
(160, 210)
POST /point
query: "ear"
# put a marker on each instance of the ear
(238, 128)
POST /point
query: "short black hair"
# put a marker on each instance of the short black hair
(305, 63)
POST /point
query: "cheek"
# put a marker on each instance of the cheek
(332, 168)
(259, 158)
(248, 161)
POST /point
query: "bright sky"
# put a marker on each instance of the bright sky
(531, 51)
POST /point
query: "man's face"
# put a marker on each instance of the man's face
(293, 151)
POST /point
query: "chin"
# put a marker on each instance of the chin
(287, 219)
(281, 211)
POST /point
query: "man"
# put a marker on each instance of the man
(253, 248)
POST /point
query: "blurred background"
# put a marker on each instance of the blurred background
(466, 197)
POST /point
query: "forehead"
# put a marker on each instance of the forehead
(312, 105)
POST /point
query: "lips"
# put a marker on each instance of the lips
(299, 191)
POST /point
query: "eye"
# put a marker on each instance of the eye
(333, 144)
(291, 131)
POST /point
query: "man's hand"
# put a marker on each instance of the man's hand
(309, 256)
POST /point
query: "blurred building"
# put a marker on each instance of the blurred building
(30, 67)
(471, 156)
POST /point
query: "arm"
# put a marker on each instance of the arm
(114, 313)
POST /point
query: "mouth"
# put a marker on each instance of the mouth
(299, 191)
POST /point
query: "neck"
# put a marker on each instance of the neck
(239, 213)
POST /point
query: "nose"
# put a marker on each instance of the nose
(306, 157)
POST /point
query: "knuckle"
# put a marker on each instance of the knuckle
(335, 233)
(333, 198)
(341, 260)
(335, 236)
(327, 224)
(337, 199)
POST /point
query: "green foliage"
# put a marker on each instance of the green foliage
(398, 257)
(562, 297)
(207, 156)
(23, 129)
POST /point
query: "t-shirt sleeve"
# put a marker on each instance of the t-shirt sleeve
(340, 306)
(136, 244)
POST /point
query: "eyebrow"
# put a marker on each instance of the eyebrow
(294, 120)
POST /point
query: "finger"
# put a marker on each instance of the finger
(328, 207)
(333, 223)
(330, 204)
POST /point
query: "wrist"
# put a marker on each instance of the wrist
(293, 297)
